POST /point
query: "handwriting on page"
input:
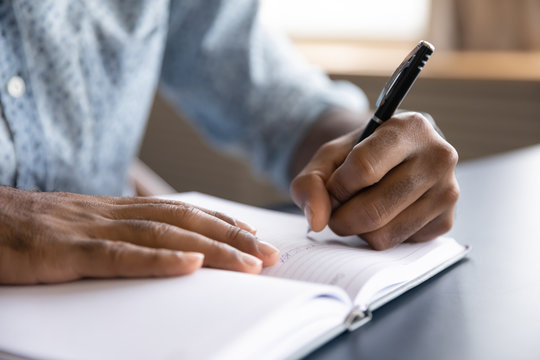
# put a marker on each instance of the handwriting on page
(323, 263)
(347, 263)
(291, 253)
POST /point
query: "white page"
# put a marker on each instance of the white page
(326, 258)
(192, 317)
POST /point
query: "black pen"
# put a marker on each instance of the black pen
(398, 86)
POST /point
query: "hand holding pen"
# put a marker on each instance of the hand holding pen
(391, 185)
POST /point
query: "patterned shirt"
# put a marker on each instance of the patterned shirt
(77, 80)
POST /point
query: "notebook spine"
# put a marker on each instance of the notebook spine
(357, 318)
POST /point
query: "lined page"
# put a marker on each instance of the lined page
(324, 257)
(352, 268)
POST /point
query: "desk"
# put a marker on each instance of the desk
(486, 307)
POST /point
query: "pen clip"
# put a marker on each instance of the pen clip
(408, 69)
(396, 75)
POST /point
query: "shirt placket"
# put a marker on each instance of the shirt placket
(18, 107)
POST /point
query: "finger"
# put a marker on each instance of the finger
(442, 223)
(161, 235)
(438, 226)
(310, 194)
(150, 200)
(369, 161)
(196, 220)
(427, 218)
(230, 220)
(308, 189)
(105, 258)
(376, 206)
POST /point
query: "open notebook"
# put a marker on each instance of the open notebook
(321, 286)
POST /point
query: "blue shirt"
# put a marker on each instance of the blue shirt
(77, 80)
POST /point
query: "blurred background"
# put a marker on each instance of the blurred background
(482, 85)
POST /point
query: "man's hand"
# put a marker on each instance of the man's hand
(397, 185)
(56, 237)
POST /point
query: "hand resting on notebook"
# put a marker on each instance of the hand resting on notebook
(57, 237)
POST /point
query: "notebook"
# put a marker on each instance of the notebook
(321, 286)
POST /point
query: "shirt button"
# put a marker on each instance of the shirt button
(16, 86)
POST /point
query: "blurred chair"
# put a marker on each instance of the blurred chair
(512, 25)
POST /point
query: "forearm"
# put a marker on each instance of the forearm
(331, 124)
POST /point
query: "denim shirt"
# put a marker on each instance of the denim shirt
(77, 80)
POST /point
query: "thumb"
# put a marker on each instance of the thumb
(308, 192)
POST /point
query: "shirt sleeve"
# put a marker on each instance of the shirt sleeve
(244, 86)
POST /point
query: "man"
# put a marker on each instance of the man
(80, 78)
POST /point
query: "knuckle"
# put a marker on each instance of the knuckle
(114, 251)
(415, 122)
(154, 260)
(340, 191)
(233, 234)
(299, 180)
(91, 248)
(218, 249)
(159, 230)
(374, 215)
(451, 195)
(241, 240)
(138, 226)
(99, 258)
(187, 212)
(446, 224)
(367, 169)
(308, 179)
(418, 120)
(228, 219)
(329, 147)
(18, 242)
(379, 240)
(447, 154)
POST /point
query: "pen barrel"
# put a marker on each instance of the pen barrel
(398, 86)
(404, 82)
(370, 128)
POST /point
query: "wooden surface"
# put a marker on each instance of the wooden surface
(353, 58)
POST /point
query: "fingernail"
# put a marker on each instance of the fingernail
(266, 249)
(191, 256)
(308, 212)
(251, 260)
(246, 226)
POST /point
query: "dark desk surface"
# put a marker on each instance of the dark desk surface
(486, 307)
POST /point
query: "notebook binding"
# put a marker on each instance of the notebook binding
(357, 318)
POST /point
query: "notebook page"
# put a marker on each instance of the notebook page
(170, 318)
(324, 257)
(351, 268)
